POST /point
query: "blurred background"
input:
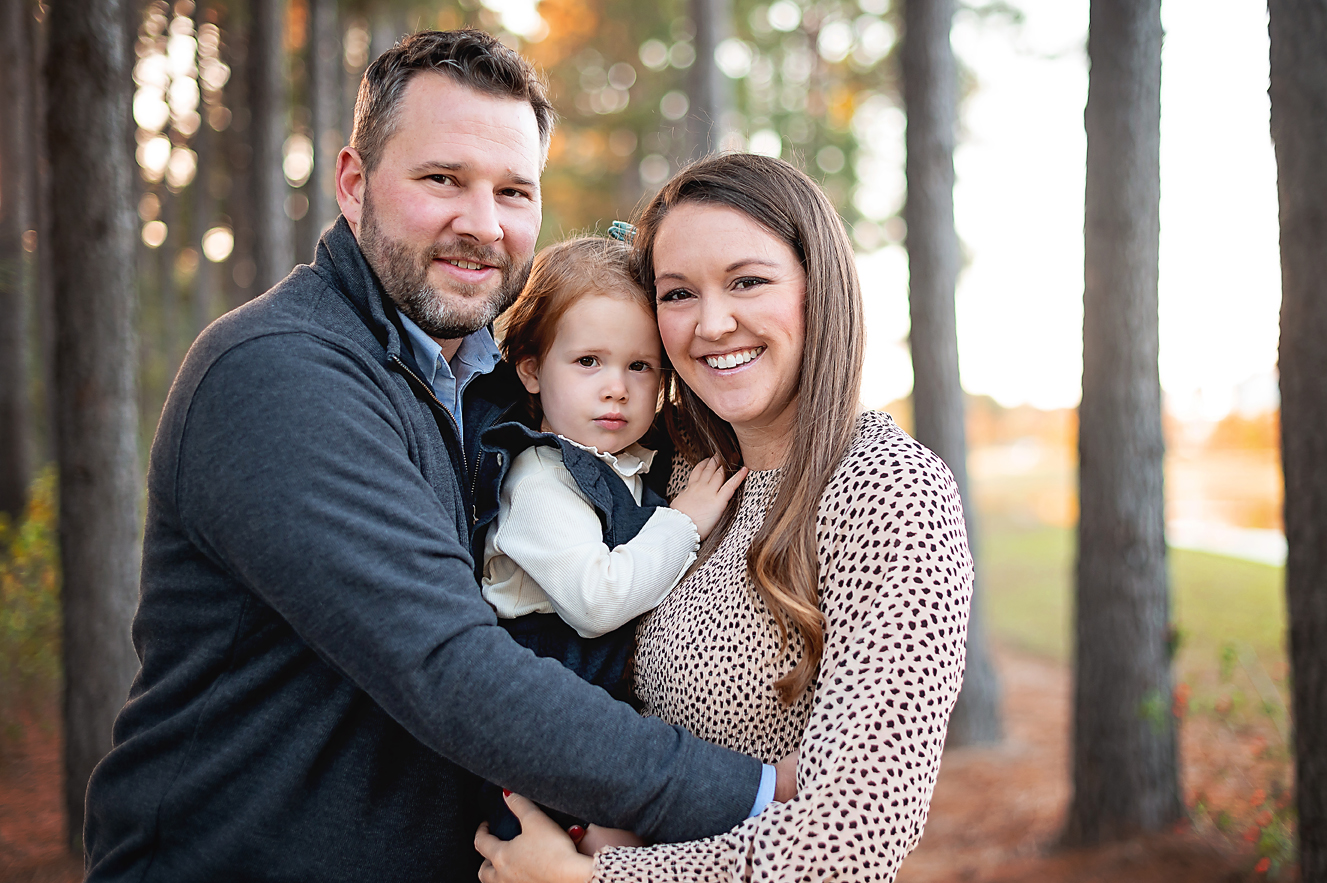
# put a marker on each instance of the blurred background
(816, 82)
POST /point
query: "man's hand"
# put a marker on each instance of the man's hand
(785, 777)
(707, 494)
(596, 838)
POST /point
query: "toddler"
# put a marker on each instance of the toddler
(578, 547)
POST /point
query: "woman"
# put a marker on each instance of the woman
(829, 608)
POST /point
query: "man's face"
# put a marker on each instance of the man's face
(449, 217)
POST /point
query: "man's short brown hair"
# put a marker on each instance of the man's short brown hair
(472, 58)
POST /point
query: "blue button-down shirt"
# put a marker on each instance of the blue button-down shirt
(477, 354)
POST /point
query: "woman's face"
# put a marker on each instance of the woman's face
(731, 298)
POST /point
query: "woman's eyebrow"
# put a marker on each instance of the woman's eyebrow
(731, 268)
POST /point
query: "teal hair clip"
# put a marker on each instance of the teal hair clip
(622, 231)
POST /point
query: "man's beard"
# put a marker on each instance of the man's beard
(403, 272)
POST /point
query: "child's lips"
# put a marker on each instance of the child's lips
(611, 421)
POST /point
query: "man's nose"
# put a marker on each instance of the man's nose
(477, 218)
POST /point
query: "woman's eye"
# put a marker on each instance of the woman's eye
(587, 361)
(675, 295)
(748, 282)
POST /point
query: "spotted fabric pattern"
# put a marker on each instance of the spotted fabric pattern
(895, 587)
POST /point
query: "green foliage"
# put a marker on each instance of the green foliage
(29, 605)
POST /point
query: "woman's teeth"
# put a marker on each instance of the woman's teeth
(732, 360)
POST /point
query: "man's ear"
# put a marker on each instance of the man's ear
(350, 184)
(528, 370)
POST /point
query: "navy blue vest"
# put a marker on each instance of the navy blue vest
(603, 660)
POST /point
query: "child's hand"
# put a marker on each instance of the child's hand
(596, 838)
(707, 494)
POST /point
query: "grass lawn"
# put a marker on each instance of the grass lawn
(1230, 613)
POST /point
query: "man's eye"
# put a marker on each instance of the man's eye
(442, 179)
(587, 361)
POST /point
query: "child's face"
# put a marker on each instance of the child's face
(598, 384)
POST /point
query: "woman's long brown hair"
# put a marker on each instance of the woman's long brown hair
(782, 561)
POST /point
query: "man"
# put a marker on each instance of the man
(321, 680)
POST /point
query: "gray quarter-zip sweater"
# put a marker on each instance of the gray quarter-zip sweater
(321, 680)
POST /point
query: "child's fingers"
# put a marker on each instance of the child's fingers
(730, 486)
(705, 473)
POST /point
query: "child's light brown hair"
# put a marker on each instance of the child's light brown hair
(561, 275)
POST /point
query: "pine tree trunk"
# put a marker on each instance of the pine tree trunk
(930, 97)
(1299, 131)
(1125, 769)
(15, 411)
(324, 103)
(274, 233)
(711, 97)
(43, 289)
(93, 227)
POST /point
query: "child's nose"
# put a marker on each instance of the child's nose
(615, 387)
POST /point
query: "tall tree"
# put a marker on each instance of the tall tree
(1125, 772)
(324, 105)
(273, 232)
(930, 98)
(711, 94)
(15, 413)
(93, 231)
(1299, 132)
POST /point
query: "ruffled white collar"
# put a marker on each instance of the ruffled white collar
(631, 460)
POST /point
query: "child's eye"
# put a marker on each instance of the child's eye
(587, 361)
(675, 294)
(640, 366)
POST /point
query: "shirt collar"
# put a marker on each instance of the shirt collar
(631, 460)
(477, 354)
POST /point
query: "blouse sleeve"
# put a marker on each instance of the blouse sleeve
(896, 583)
(552, 533)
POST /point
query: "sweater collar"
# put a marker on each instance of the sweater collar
(340, 260)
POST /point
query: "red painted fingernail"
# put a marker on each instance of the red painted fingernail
(577, 833)
(506, 792)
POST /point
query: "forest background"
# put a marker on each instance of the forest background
(816, 82)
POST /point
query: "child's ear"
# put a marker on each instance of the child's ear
(528, 370)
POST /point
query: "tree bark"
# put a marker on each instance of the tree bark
(274, 233)
(88, 119)
(43, 299)
(15, 409)
(711, 96)
(930, 97)
(1125, 768)
(1299, 132)
(325, 103)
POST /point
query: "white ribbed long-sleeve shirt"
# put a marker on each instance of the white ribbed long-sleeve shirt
(545, 551)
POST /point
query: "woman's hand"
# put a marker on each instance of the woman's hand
(707, 494)
(543, 853)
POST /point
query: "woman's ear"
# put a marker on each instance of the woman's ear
(528, 370)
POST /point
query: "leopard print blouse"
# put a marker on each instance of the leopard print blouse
(895, 585)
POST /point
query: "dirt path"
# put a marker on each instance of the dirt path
(997, 812)
(995, 817)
